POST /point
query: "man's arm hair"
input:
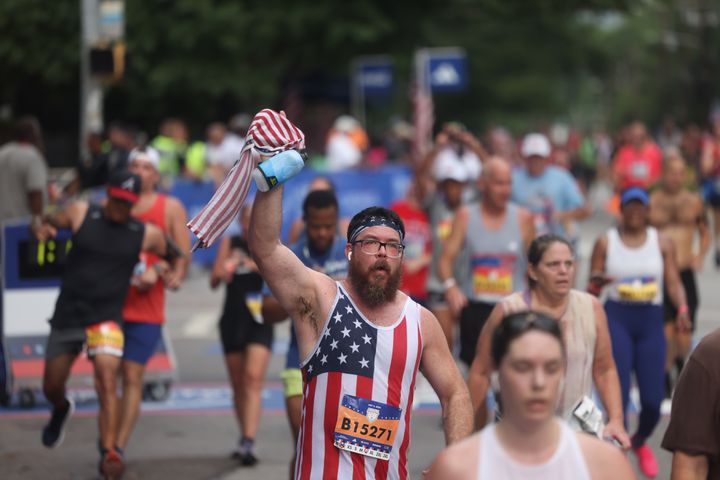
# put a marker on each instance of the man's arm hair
(438, 366)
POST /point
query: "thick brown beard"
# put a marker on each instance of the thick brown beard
(370, 293)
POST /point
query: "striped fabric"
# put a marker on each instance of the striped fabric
(355, 357)
(269, 133)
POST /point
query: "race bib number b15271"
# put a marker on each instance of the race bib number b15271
(366, 427)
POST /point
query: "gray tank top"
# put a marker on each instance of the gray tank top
(497, 259)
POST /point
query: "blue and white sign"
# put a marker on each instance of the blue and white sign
(375, 78)
(447, 70)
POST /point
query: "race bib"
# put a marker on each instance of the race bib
(492, 274)
(366, 427)
(254, 304)
(637, 289)
(106, 337)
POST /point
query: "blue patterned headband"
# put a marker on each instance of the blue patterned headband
(375, 221)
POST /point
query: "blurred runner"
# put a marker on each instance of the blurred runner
(246, 342)
(144, 310)
(496, 235)
(549, 192)
(679, 214)
(551, 269)
(710, 171)
(635, 262)
(418, 245)
(322, 248)
(443, 184)
(530, 442)
(297, 228)
(107, 242)
(637, 162)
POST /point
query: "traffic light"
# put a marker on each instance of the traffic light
(109, 61)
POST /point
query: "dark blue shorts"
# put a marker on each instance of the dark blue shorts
(141, 340)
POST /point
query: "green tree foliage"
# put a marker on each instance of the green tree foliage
(529, 61)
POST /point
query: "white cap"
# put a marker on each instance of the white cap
(535, 144)
(449, 167)
(147, 154)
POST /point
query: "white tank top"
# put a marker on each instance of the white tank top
(637, 273)
(567, 463)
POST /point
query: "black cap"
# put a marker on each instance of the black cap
(124, 186)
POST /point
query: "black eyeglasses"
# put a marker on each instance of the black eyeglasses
(372, 247)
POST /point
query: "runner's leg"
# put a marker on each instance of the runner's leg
(132, 373)
(106, 371)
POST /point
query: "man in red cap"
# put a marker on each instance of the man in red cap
(88, 314)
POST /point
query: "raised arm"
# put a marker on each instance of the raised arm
(438, 366)
(453, 244)
(606, 378)
(300, 290)
(481, 368)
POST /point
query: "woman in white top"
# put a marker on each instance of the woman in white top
(551, 271)
(632, 262)
(530, 442)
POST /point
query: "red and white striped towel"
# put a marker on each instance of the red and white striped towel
(269, 133)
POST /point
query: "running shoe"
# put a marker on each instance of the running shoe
(54, 432)
(249, 459)
(646, 460)
(112, 464)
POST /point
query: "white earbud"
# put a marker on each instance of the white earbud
(349, 255)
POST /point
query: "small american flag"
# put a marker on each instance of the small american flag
(269, 133)
(423, 111)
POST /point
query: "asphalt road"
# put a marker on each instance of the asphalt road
(190, 435)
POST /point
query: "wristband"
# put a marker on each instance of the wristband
(682, 309)
(448, 284)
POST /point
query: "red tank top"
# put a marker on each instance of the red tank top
(148, 306)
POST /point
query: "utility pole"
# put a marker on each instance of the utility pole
(91, 94)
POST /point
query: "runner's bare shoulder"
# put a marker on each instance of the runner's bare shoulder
(459, 461)
(604, 460)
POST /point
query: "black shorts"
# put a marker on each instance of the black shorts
(63, 341)
(687, 277)
(236, 332)
(472, 320)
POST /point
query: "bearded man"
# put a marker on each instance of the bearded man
(361, 344)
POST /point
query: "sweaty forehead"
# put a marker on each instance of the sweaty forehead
(381, 233)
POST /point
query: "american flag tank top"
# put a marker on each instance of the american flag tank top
(358, 386)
